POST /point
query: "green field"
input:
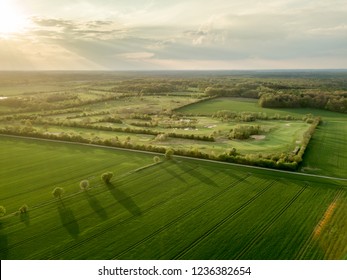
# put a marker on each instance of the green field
(277, 136)
(330, 140)
(180, 209)
(211, 106)
(154, 113)
(326, 153)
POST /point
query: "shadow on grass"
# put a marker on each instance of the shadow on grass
(3, 242)
(200, 176)
(68, 220)
(25, 218)
(96, 206)
(125, 200)
(173, 173)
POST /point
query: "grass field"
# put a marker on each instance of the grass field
(282, 136)
(35, 167)
(326, 153)
(211, 106)
(330, 140)
(180, 209)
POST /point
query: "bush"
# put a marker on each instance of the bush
(169, 153)
(58, 192)
(2, 211)
(244, 131)
(156, 159)
(106, 177)
(84, 184)
(23, 209)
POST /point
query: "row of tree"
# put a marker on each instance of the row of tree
(84, 185)
(330, 102)
(249, 90)
(126, 130)
(22, 210)
(227, 115)
(22, 104)
(288, 161)
(242, 132)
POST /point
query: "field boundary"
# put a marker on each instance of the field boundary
(176, 156)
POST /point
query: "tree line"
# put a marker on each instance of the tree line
(286, 161)
(331, 102)
(125, 130)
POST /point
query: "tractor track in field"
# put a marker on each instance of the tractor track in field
(99, 233)
(86, 216)
(181, 217)
(103, 190)
(310, 240)
(268, 225)
(222, 222)
(50, 185)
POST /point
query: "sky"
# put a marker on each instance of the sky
(172, 35)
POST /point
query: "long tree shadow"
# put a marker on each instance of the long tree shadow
(25, 218)
(173, 173)
(193, 172)
(68, 220)
(3, 242)
(96, 206)
(126, 201)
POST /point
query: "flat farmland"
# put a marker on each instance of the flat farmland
(238, 104)
(176, 209)
(327, 153)
(30, 169)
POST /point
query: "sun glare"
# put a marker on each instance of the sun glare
(11, 20)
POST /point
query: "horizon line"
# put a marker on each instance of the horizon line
(178, 70)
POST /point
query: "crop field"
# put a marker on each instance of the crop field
(210, 107)
(330, 140)
(175, 209)
(45, 167)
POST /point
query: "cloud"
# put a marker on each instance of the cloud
(193, 33)
(73, 29)
(136, 55)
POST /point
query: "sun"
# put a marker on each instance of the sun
(11, 19)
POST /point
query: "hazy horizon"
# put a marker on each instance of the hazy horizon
(149, 35)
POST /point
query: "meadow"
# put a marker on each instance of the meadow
(239, 104)
(330, 140)
(157, 121)
(326, 153)
(175, 209)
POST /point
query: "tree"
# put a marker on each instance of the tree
(106, 177)
(2, 211)
(84, 185)
(58, 192)
(169, 153)
(24, 209)
(156, 159)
